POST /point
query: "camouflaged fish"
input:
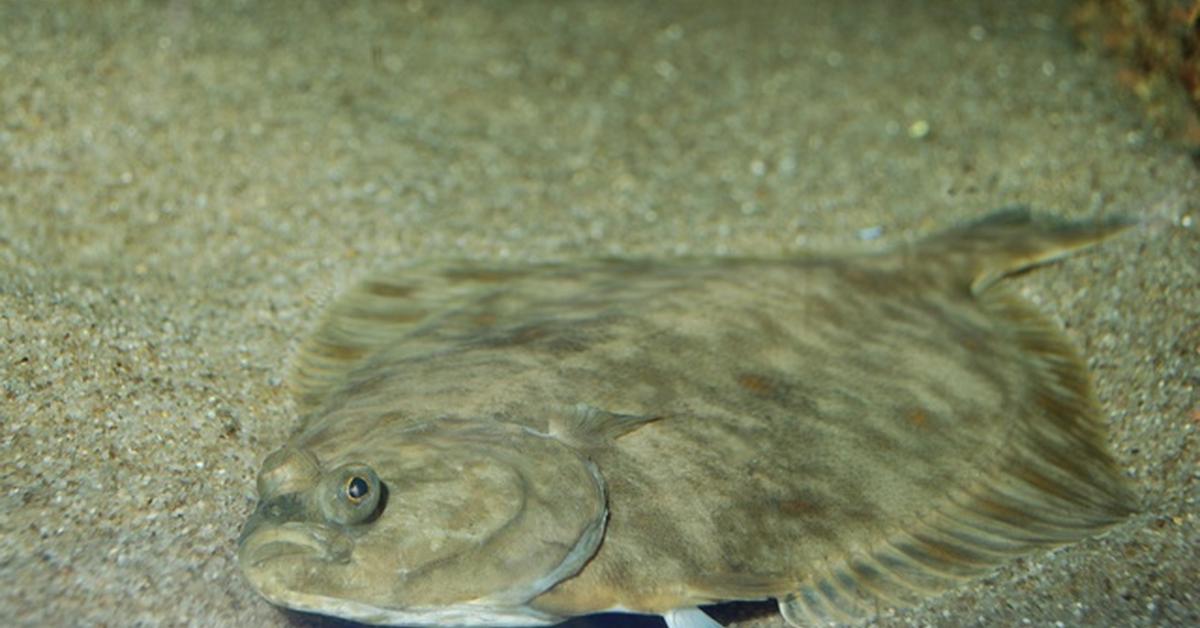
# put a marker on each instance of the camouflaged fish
(515, 445)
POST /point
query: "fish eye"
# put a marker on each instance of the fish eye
(357, 489)
(351, 494)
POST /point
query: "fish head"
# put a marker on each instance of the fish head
(448, 523)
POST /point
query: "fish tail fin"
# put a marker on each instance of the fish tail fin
(1011, 240)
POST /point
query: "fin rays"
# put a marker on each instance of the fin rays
(968, 536)
(1011, 240)
(1054, 484)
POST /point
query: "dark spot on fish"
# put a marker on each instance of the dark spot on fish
(388, 290)
(479, 275)
(340, 352)
(393, 316)
(757, 384)
(528, 334)
(805, 504)
(514, 337)
(553, 337)
(484, 319)
(800, 507)
(566, 343)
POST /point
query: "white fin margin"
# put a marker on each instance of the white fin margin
(690, 617)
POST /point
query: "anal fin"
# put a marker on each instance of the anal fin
(1015, 510)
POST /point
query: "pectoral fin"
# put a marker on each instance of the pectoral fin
(588, 426)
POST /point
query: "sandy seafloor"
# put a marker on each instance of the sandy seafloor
(183, 185)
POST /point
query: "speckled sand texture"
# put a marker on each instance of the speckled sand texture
(184, 184)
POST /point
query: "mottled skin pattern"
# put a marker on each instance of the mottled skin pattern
(827, 431)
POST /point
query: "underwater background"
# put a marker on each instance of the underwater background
(184, 185)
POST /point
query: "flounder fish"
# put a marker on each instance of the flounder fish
(515, 445)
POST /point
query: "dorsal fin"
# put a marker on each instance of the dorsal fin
(420, 306)
(381, 310)
(1011, 240)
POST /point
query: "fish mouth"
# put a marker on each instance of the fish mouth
(268, 544)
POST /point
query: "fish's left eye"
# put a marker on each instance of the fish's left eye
(351, 494)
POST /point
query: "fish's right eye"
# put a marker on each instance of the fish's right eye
(357, 489)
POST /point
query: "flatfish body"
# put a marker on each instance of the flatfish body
(515, 445)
